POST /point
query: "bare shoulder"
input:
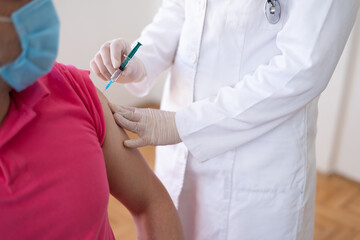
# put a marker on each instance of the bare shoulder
(126, 168)
(110, 123)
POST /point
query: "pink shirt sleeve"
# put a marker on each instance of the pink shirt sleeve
(85, 89)
(52, 168)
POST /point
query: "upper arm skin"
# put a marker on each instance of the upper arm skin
(135, 185)
(130, 178)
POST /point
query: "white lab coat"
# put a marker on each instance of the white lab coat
(245, 92)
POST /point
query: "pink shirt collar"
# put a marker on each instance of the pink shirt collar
(21, 110)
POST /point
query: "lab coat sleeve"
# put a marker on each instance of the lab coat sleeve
(311, 42)
(160, 40)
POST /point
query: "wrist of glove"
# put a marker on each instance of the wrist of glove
(154, 127)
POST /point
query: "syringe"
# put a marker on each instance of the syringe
(118, 72)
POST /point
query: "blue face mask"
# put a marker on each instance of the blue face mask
(37, 25)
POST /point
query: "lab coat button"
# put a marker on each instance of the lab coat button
(193, 58)
(203, 4)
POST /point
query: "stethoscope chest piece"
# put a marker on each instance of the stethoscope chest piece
(272, 11)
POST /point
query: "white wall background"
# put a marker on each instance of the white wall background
(338, 140)
(86, 25)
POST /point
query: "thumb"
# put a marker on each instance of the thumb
(114, 107)
(135, 143)
(134, 71)
(118, 48)
(128, 74)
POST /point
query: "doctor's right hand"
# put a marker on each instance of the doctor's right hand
(109, 59)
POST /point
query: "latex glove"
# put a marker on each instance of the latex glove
(109, 59)
(154, 127)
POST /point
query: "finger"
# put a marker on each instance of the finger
(131, 115)
(117, 49)
(135, 143)
(124, 123)
(114, 107)
(96, 70)
(119, 108)
(126, 51)
(132, 109)
(105, 55)
(125, 76)
(131, 68)
(101, 66)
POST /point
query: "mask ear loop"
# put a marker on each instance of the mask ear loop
(5, 19)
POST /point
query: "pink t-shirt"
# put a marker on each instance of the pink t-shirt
(53, 182)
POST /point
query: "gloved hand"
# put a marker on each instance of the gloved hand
(154, 127)
(109, 59)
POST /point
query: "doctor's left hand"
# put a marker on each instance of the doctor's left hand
(154, 127)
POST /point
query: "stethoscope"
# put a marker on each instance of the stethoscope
(272, 11)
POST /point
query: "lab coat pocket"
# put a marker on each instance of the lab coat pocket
(187, 51)
(274, 212)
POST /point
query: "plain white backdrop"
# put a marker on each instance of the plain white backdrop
(86, 25)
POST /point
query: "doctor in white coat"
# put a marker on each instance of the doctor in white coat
(239, 107)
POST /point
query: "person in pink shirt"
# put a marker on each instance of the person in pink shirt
(59, 152)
